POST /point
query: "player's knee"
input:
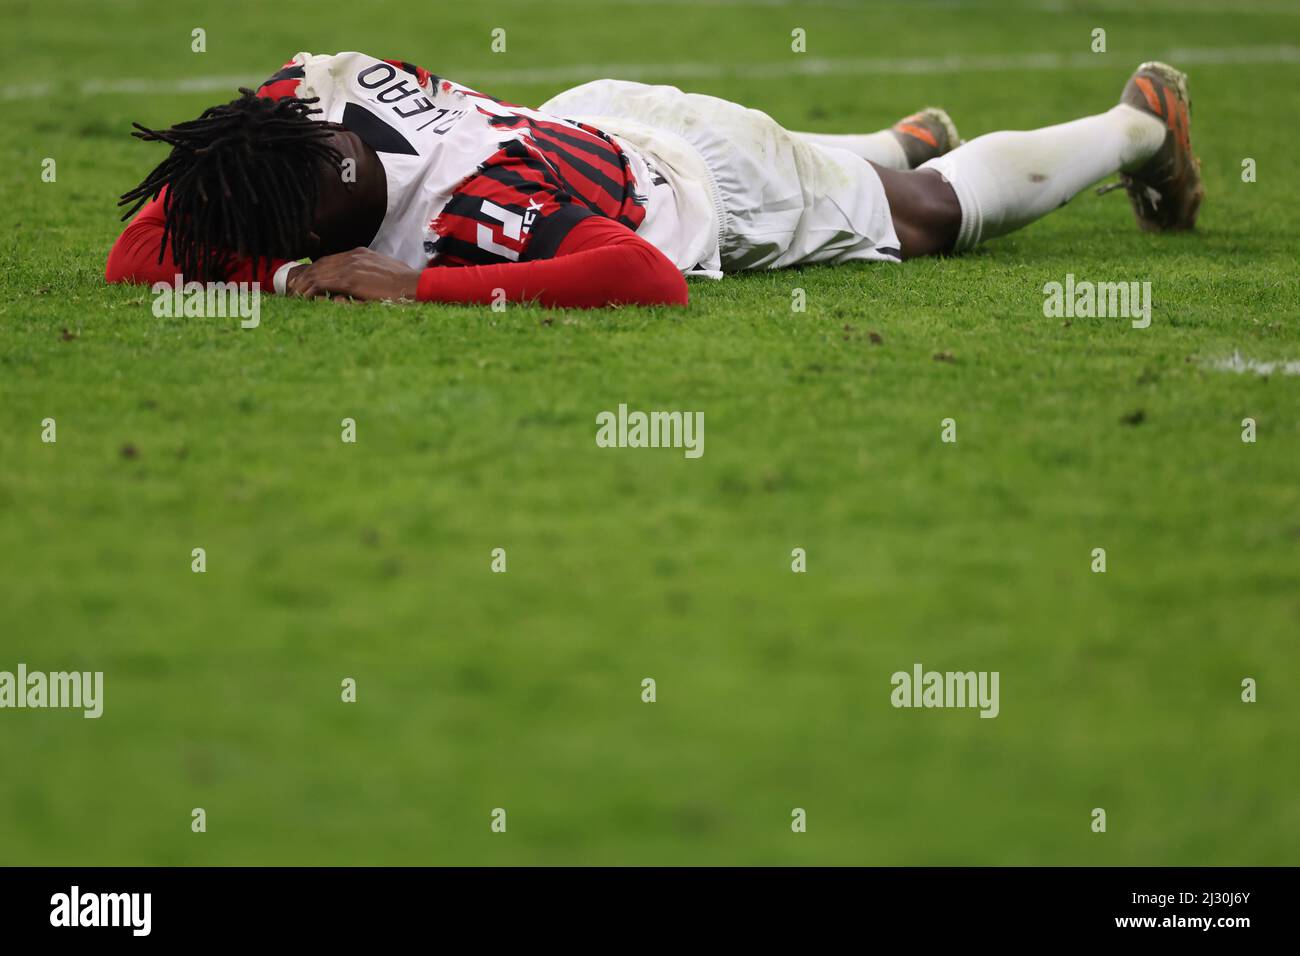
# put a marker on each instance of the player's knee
(929, 217)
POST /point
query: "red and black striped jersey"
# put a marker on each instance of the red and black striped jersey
(479, 180)
(540, 186)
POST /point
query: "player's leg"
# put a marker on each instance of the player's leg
(925, 211)
(913, 140)
(1000, 182)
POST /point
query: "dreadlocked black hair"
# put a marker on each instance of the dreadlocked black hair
(242, 178)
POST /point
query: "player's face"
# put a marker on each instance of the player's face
(351, 200)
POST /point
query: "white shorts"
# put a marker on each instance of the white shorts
(745, 192)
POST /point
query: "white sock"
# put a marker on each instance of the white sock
(1007, 180)
(882, 148)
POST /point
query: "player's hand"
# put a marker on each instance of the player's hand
(358, 274)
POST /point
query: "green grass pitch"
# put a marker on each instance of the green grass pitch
(476, 431)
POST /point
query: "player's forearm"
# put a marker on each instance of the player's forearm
(626, 271)
(134, 256)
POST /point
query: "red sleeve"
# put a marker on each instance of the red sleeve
(134, 257)
(600, 262)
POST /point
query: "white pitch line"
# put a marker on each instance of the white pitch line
(796, 65)
(1236, 363)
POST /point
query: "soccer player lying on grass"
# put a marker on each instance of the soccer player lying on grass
(386, 177)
